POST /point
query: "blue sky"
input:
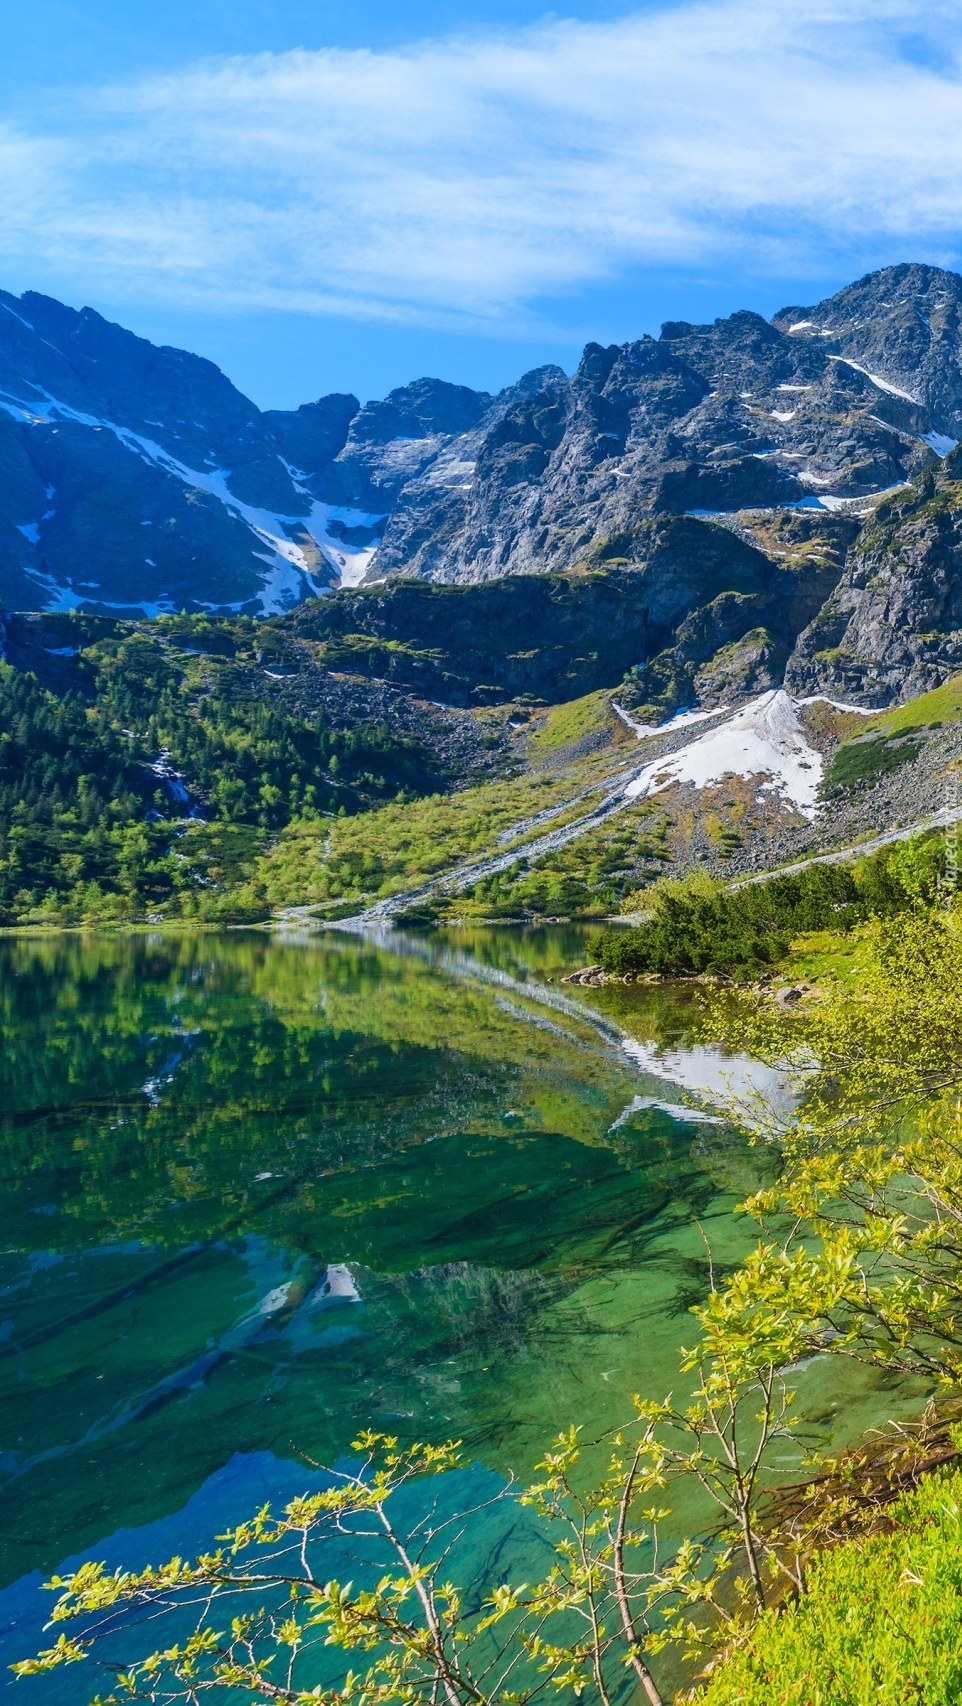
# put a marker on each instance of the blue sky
(346, 194)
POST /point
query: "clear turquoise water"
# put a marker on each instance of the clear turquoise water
(258, 1194)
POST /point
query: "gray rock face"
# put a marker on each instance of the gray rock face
(312, 436)
(826, 410)
(735, 643)
(134, 477)
(103, 436)
(901, 324)
(893, 626)
(823, 408)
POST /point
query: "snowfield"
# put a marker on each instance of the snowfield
(940, 443)
(876, 378)
(350, 562)
(764, 739)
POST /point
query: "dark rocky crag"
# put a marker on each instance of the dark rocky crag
(892, 628)
(548, 638)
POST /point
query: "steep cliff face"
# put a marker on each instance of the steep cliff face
(892, 628)
(553, 637)
(825, 408)
(103, 435)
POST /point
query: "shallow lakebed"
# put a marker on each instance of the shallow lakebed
(260, 1193)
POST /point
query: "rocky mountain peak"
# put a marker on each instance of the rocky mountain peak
(311, 436)
(426, 408)
(901, 325)
(134, 477)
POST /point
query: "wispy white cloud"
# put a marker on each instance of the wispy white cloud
(460, 181)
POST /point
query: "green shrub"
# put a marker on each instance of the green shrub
(868, 758)
(698, 927)
(882, 1620)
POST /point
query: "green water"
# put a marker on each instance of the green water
(258, 1194)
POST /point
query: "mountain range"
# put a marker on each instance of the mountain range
(775, 500)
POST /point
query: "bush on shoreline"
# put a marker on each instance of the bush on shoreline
(698, 927)
(881, 1621)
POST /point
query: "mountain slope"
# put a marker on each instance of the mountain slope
(712, 512)
(136, 478)
(102, 435)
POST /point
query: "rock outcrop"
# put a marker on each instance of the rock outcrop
(892, 628)
(672, 581)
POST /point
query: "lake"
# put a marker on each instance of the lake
(259, 1193)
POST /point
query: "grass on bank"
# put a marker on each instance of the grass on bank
(564, 725)
(942, 705)
(881, 1622)
(877, 745)
(817, 955)
(587, 878)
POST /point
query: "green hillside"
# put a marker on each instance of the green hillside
(215, 769)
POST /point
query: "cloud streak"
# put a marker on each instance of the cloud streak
(460, 182)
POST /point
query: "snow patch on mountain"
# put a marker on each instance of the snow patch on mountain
(644, 731)
(838, 705)
(940, 443)
(883, 384)
(766, 739)
(290, 574)
(61, 597)
(26, 413)
(860, 506)
(351, 561)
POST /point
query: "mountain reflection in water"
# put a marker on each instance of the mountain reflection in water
(259, 1194)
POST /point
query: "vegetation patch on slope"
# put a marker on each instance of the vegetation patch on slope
(881, 1621)
(699, 928)
(942, 705)
(195, 767)
(405, 844)
(566, 725)
(864, 760)
(872, 747)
